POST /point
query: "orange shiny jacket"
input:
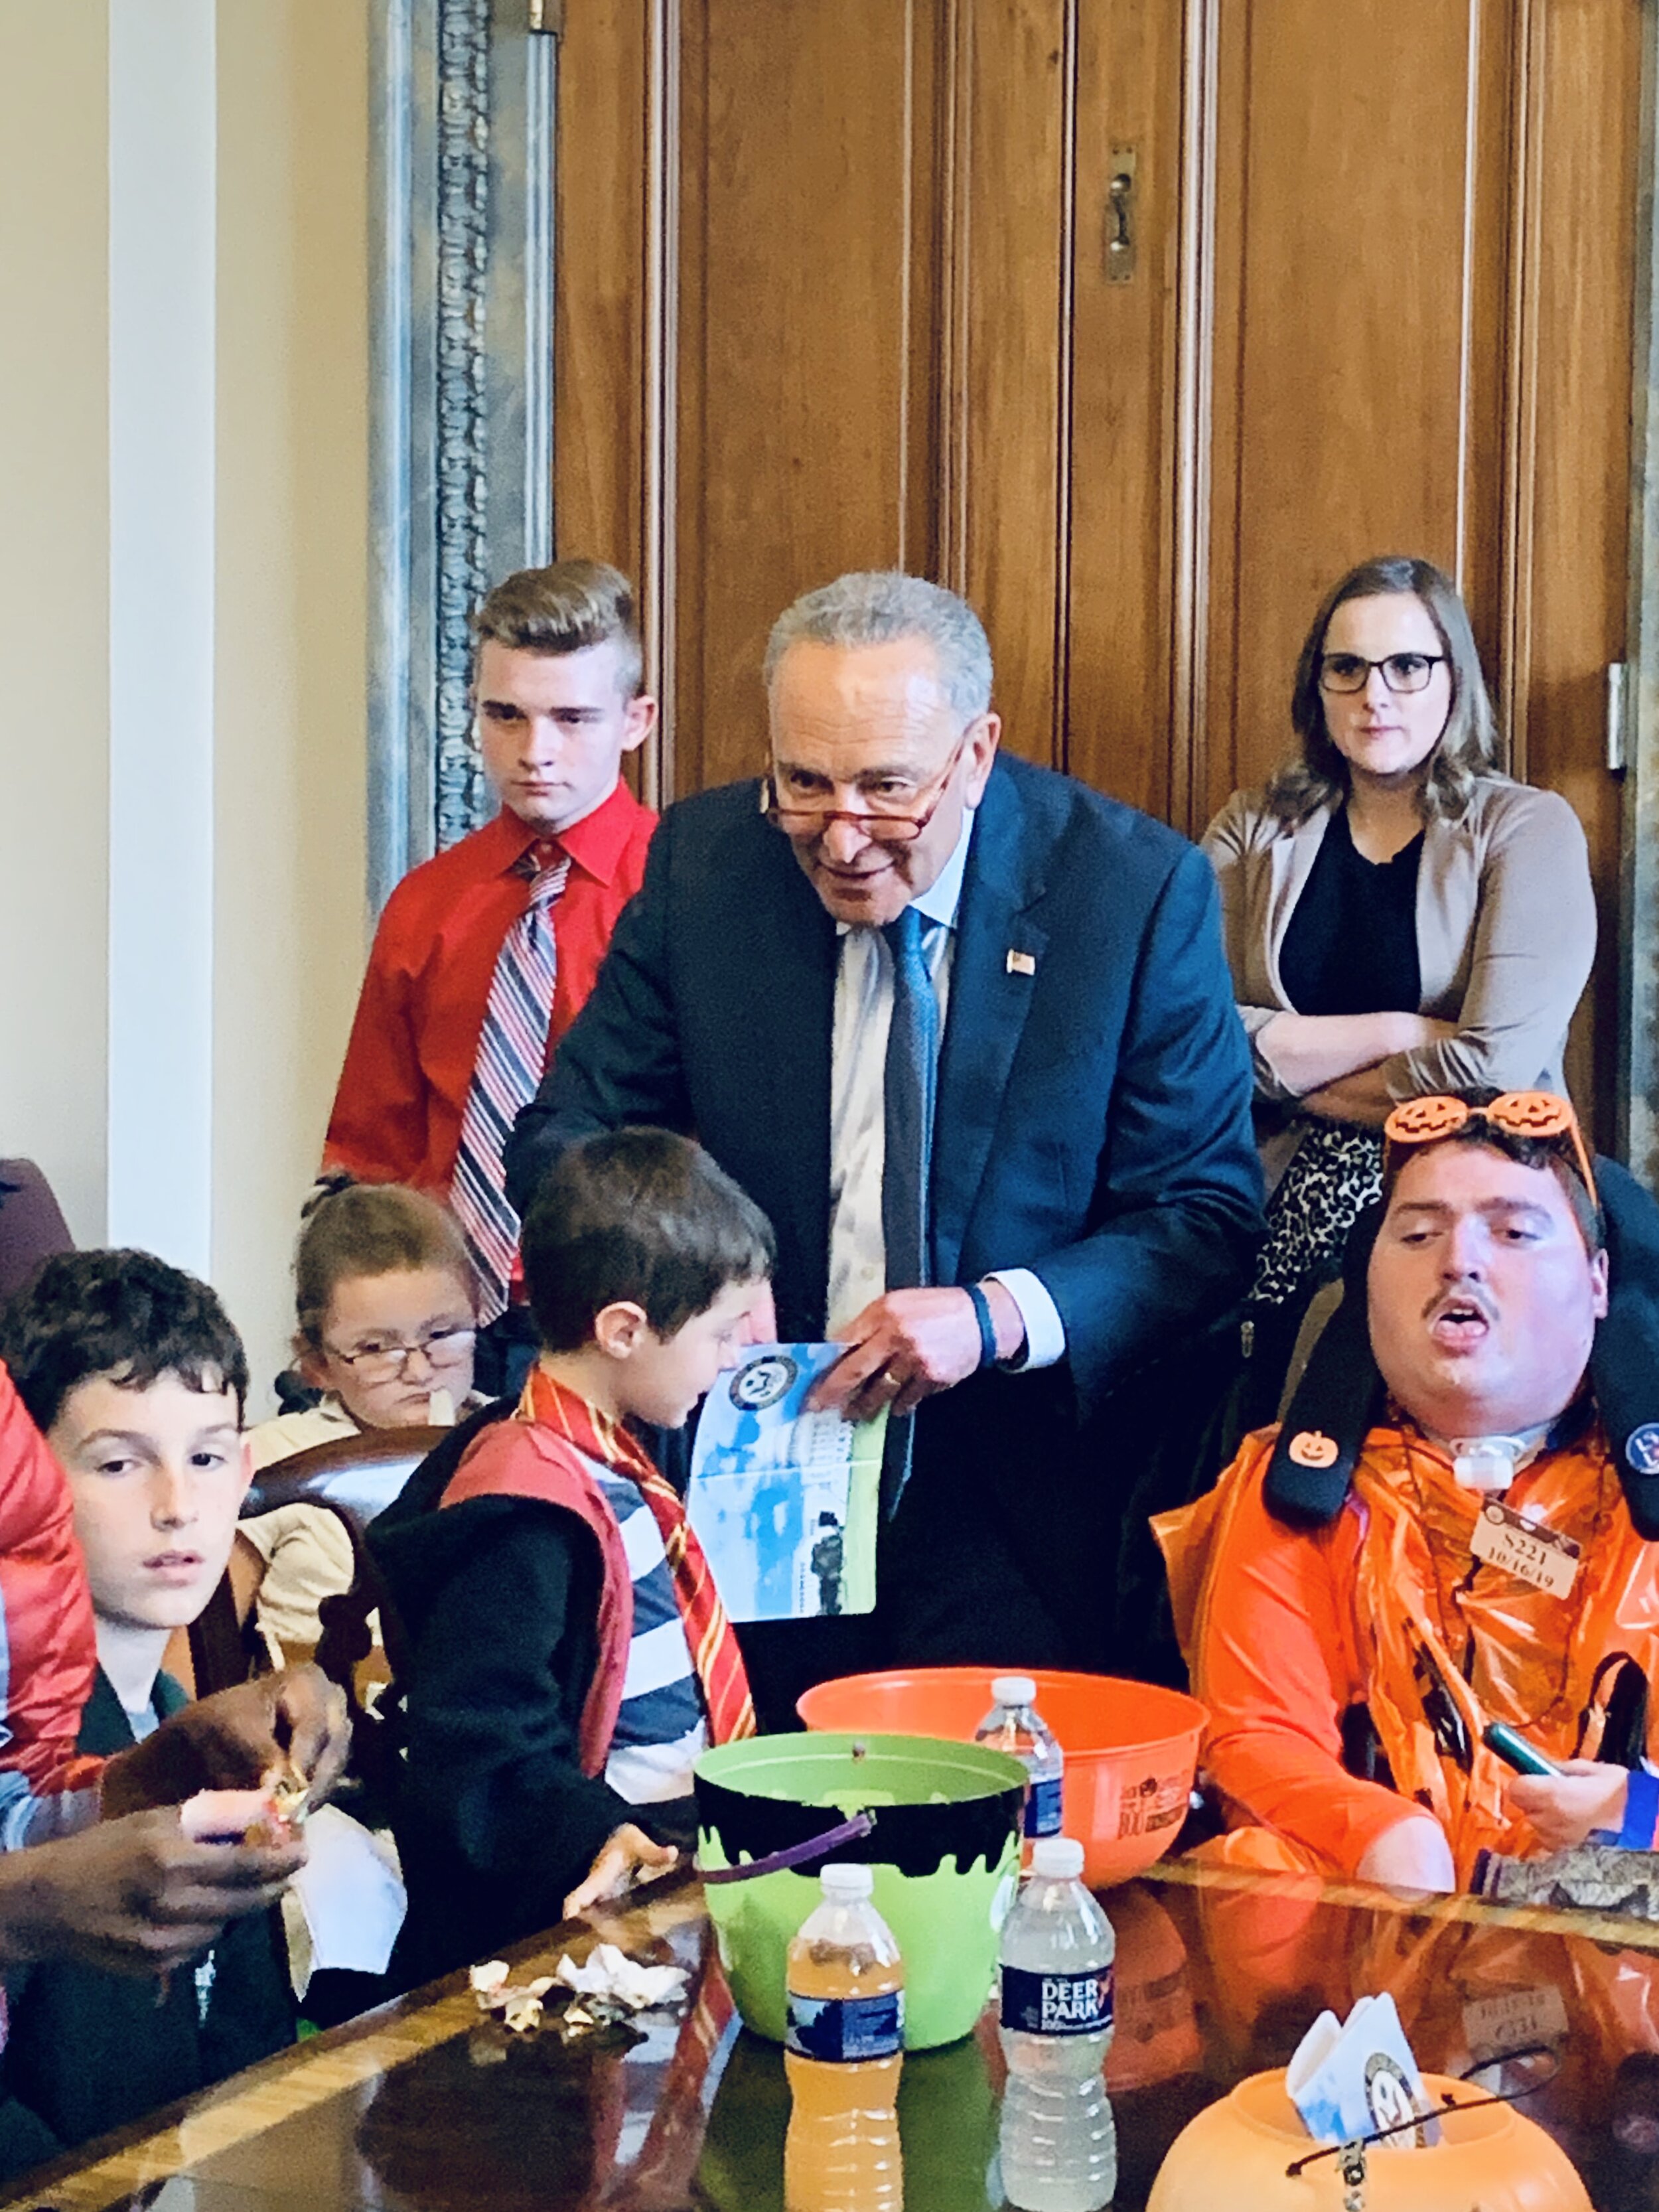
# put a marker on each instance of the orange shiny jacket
(1284, 1631)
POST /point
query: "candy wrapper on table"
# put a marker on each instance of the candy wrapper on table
(785, 1502)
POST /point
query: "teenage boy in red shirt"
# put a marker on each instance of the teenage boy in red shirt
(486, 953)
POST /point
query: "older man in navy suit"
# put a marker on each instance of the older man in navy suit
(964, 1028)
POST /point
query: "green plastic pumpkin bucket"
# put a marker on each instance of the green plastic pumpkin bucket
(944, 1845)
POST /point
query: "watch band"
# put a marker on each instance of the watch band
(988, 1335)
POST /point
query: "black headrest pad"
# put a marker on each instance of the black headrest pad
(1336, 1403)
(1625, 1360)
(1339, 1396)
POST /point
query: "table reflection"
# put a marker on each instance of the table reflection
(431, 2107)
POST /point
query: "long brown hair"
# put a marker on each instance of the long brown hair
(1317, 775)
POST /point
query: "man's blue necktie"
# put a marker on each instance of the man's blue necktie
(912, 1069)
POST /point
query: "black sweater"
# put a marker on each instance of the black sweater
(89, 2051)
(496, 1604)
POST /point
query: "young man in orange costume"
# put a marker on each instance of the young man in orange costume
(1353, 1633)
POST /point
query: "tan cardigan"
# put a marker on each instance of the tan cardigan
(1505, 933)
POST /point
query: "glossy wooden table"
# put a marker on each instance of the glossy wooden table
(425, 2105)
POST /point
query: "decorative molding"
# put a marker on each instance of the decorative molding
(1637, 1129)
(462, 458)
(956, 327)
(1530, 31)
(1194, 408)
(463, 95)
(658, 576)
(1065, 457)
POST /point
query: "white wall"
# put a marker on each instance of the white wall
(261, 851)
(292, 917)
(54, 597)
(163, 189)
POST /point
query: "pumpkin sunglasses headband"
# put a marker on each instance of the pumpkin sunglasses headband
(1537, 1115)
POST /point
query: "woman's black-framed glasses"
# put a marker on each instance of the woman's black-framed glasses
(1401, 672)
(888, 824)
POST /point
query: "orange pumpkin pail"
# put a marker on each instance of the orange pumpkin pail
(1236, 2152)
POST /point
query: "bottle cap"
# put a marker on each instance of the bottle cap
(1057, 1858)
(1014, 1690)
(840, 1880)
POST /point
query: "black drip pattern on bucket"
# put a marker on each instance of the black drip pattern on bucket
(917, 1839)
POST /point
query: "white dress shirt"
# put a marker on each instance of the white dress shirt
(858, 1127)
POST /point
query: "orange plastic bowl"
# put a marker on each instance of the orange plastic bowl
(1131, 1748)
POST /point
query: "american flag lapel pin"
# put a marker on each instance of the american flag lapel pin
(1021, 964)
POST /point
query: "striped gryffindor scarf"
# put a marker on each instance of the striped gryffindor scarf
(714, 1645)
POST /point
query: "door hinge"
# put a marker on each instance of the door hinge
(1618, 694)
(547, 18)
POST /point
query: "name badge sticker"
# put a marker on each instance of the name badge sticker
(1526, 1549)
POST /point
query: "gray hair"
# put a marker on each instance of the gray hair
(878, 606)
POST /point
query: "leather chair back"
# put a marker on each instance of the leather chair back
(352, 1477)
(31, 1224)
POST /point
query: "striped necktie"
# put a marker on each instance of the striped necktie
(910, 1080)
(908, 1085)
(709, 1634)
(512, 1055)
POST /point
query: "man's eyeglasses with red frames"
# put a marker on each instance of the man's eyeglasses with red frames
(886, 824)
(1537, 1114)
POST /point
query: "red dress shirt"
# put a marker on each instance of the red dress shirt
(396, 1114)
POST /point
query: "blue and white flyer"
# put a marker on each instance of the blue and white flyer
(785, 1502)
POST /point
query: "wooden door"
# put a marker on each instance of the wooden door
(837, 288)
(1387, 293)
(813, 281)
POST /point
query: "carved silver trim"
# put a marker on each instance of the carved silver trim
(462, 394)
(462, 459)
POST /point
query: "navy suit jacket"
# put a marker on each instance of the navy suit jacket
(1093, 1120)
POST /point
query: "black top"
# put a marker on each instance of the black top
(1352, 945)
(89, 2051)
(496, 1605)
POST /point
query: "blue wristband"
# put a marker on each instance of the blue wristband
(988, 1335)
(1641, 1814)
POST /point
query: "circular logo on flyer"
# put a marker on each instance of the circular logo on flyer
(1388, 2095)
(1641, 1448)
(762, 1383)
(1313, 1448)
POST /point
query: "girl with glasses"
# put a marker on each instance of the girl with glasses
(385, 1340)
(1402, 918)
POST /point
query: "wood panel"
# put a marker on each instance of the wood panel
(1347, 167)
(807, 137)
(1574, 496)
(1125, 482)
(599, 356)
(1006, 273)
(601, 387)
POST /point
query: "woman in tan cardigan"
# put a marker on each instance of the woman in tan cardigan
(1400, 917)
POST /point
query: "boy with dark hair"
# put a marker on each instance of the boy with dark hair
(137, 1378)
(565, 1656)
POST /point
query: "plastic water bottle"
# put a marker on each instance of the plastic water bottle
(844, 2047)
(1013, 1724)
(1059, 2147)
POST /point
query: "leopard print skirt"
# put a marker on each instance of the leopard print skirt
(1335, 1174)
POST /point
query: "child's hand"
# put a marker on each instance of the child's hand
(624, 1857)
(1564, 1807)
